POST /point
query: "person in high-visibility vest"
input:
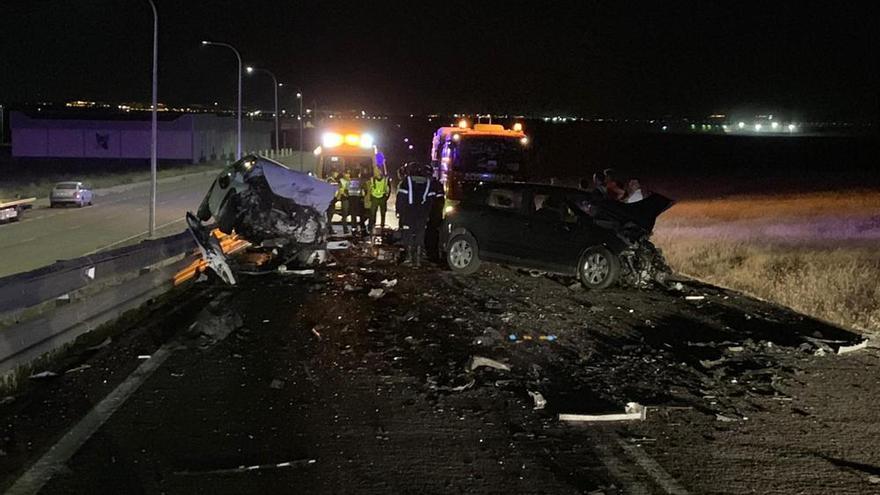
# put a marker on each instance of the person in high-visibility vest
(378, 189)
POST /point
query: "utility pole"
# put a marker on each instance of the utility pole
(153, 125)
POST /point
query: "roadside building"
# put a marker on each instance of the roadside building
(184, 138)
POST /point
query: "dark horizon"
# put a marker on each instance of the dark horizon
(813, 62)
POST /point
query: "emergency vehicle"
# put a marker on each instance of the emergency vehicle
(344, 148)
(484, 152)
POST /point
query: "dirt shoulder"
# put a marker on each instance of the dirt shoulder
(365, 394)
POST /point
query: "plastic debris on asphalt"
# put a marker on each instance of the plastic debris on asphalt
(632, 412)
(276, 384)
(539, 399)
(389, 283)
(850, 348)
(376, 293)
(44, 374)
(478, 361)
(694, 298)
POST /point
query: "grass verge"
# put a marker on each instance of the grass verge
(816, 253)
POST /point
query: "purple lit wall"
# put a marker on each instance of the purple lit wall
(192, 138)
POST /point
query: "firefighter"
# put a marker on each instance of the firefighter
(414, 200)
(378, 190)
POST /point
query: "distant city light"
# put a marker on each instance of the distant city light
(758, 127)
(775, 125)
(741, 125)
(791, 127)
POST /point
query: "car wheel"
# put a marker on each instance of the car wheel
(463, 255)
(598, 268)
(53, 204)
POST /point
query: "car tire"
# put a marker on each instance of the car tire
(462, 254)
(53, 204)
(598, 268)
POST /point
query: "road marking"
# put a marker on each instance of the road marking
(53, 461)
(146, 232)
(654, 470)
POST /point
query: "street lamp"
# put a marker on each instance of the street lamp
(153, 126)
(299, 96)
(237, 55)
(251, 70)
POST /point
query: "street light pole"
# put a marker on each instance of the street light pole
(299, 96)
(153, 125)
(238, 56)
(251, 70)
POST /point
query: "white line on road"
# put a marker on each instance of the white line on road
(146, 232)
(53, 461)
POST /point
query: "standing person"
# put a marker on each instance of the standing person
(333, 179)
(342, 194)
(379, 190)
(356, 203)
(612, 187)
(435, 220)
(414, 199)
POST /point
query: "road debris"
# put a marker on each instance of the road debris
(850, 348)
(389, 283)
(276, 384)
(315, 333)
(81, 367)
(694, 298)
(103, 344)
(464, 387)
(376, 293)
(143, 356)
(284, 271)
(539, 399)
(478, 361)
(245, 469)
(632, 412)
(43, 374)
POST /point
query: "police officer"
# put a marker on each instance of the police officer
(435, 220)
(414, 200)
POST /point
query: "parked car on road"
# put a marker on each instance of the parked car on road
(556, 230)
(70, 193)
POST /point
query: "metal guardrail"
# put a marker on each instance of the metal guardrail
(96, 289)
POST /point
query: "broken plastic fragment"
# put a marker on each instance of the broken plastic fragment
(539, 399)
(389, 283)
(478, 361)
(694, 298)
(376, 293)
(850, 348)
(44, 374)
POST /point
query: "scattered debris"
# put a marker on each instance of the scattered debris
(873, 479)
(315, 332)
(143, 356)
(79, 368)
(850, 348)
(376, 293)
(350, 288)
(389, 283)
(338, 245)
(245, 469)
(477, 361)
(276, 384)
(466, 386)
(725, 419)
(539, 399)
(103, 344)
(44, 374)
(284, 271)
(7, 399)
(737, 348)
(633, 412)
(694, 298)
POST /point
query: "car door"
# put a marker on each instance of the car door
(503, 207)
(552, 236)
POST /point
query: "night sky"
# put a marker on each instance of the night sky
(626, 59)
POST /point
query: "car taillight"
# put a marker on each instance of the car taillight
(76, 195)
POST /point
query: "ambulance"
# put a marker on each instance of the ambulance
(346, 148)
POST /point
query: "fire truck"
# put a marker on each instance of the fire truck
(347, 148)
(483, 152)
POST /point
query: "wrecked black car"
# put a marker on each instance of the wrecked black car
(556, 230)
(276, 209)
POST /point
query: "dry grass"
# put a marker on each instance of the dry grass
(818, 253)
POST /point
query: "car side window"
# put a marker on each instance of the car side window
(504, 199)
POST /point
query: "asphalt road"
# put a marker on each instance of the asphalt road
(119, 216)
(288, 384)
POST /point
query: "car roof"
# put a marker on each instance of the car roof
(75, 182)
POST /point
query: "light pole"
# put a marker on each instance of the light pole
(153, 125)
(251, 70)
(237, 55)
(299, 96)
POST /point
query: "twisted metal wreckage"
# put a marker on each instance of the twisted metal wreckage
(278, 210)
